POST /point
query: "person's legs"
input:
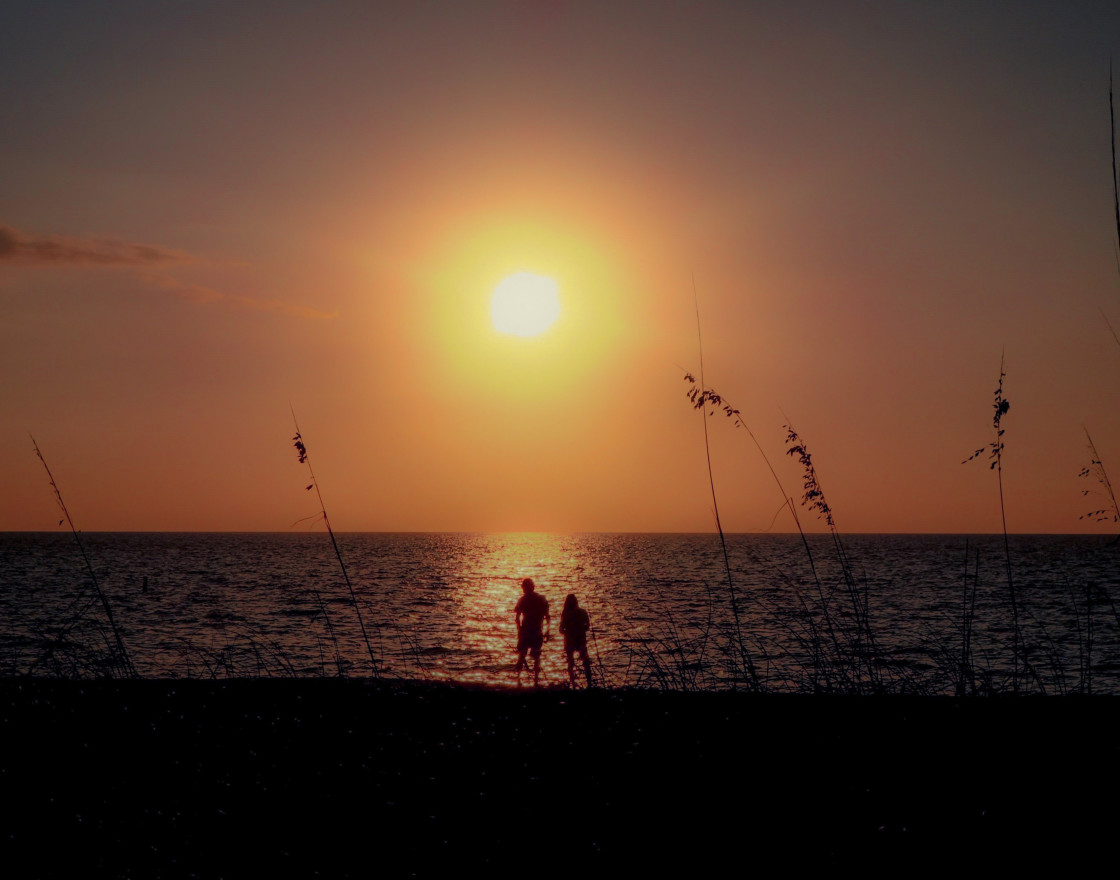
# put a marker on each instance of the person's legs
(571, 666)
(535, 653)
(521, 648)
(586, 664)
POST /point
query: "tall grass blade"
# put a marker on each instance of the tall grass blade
(744, 654)
(1001, 405)
(122, 658)
(304, 458)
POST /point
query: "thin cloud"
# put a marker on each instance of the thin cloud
(52, 250)
(197, 293)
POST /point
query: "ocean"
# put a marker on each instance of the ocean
(929, 614)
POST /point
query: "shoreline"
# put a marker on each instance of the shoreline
(169, 777)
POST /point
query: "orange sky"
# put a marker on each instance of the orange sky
(212, 212)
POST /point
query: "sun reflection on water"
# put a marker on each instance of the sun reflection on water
(488, 589)
(440, 605)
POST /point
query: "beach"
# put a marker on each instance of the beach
(354, 777)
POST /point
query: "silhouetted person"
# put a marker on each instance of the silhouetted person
(530, 614)
(574, 625)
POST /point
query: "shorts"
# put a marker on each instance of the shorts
(530, 642)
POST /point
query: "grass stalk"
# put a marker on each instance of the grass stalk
(1109, 512)
(1096, 470)
(995, 456)
(966, 682)
(301, 448)
(862, 637)
(701, 397)
(744, 654)
(330, 631)
(122, 658)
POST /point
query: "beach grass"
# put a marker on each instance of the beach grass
(304, 458)
(115, 660)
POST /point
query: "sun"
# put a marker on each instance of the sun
(525, 304)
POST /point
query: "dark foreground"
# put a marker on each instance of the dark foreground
(348, 778)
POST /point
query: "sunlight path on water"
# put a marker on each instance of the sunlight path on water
(490, 585)
(440, 606)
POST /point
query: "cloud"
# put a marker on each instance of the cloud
(197, 293)
(52, 250)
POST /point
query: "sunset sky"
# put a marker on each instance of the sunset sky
(211, 214)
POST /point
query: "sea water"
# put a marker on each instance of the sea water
(913, 613)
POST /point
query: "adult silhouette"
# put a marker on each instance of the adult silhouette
(533, 622)
(574, 625)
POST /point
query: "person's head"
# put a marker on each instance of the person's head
(570, 603)
(527, 585)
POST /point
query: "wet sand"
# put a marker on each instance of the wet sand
(356, 778)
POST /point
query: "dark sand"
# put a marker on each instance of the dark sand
(271, 778)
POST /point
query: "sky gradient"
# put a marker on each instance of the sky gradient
(213, 214)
